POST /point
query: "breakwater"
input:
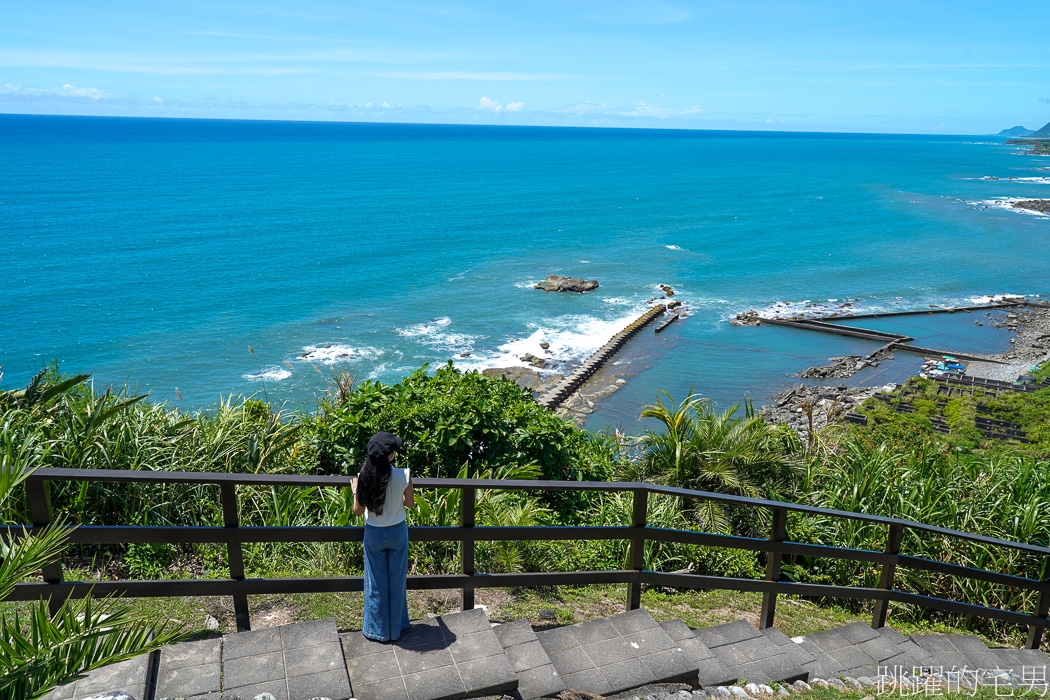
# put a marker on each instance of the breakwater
(564, 389)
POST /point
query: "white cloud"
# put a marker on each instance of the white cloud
(470, 75)
(385, 105)
(495, 107)
(66, 91)
(158, 100)
(641, 110)
(647, 110)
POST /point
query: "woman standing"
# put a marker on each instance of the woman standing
(381, 494)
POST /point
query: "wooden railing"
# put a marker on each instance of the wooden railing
(467, 533)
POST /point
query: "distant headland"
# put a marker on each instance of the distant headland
(1022, 132)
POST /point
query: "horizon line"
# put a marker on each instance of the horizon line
(507, 126)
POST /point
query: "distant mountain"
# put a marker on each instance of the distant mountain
(1015, 131)
(1043, 133)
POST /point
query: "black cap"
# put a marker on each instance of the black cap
(382, 445)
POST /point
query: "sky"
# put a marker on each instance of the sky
(933, 66)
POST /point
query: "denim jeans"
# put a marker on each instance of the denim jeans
(386, 571)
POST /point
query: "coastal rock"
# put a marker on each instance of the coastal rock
(748, 318)
(522, 376)
(667, 290)
(531, 359)
(793, 406)
(557, 283)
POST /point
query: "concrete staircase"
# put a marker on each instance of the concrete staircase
(463, 655)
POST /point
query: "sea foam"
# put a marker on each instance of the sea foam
(435, 334)
(1008, 204)
(330, 354)
(570, 338)
(858, 306)
(273, 373)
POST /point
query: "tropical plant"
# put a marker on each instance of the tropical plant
(39, 650)
(704, 450)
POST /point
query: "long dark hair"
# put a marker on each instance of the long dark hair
(375, 472)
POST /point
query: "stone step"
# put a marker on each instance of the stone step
(294, 662)
(616, 653)
(711, 671)
(451, 656)
(126, 676)
(751, 655)
(858, 650)
(960, 651)
(463, 655)
(537, 677)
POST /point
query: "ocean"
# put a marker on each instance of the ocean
(199, 259)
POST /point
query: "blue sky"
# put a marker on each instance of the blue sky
(849, 65)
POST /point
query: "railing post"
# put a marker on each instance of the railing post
(234, 552)
(39, 493)
(777, 533)
(466, 551)
(639, 520)
(1042, 608)
(889, 572)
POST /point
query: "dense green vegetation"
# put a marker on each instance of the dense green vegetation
(40, 649)
(457, 424)
(1039, 146)
(1027, 412)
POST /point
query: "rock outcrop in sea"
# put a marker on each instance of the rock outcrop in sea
(557, 283)
(1040, 205)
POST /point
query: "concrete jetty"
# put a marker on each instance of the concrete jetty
(895, 341)
(563, 389)
(943, 310)
(836, 329)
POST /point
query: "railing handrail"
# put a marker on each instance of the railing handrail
(234, 536)
(306, 480)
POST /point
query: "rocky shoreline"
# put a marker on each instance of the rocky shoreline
(1029, 344)
(800, 403)
(797, 405)
(1040, 205)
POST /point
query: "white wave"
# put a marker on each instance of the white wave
(674, 247)
(274, 373)
(1008, 204)
(434, 335)
(857, 306)
(1038, 180)
(995, 298)
(617, 300)
(526, 284)
(330, 354)
(570, 339)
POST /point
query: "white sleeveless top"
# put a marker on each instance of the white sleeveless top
(394, 505)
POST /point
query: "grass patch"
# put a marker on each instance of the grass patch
(542, 607)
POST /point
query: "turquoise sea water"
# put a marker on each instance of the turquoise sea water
(155, 252)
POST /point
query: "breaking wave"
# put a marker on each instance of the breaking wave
(273, 373)
(330, 354)
(437, 335)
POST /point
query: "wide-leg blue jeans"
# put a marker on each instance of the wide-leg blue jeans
(386, 573)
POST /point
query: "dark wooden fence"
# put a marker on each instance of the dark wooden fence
(776, 547)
